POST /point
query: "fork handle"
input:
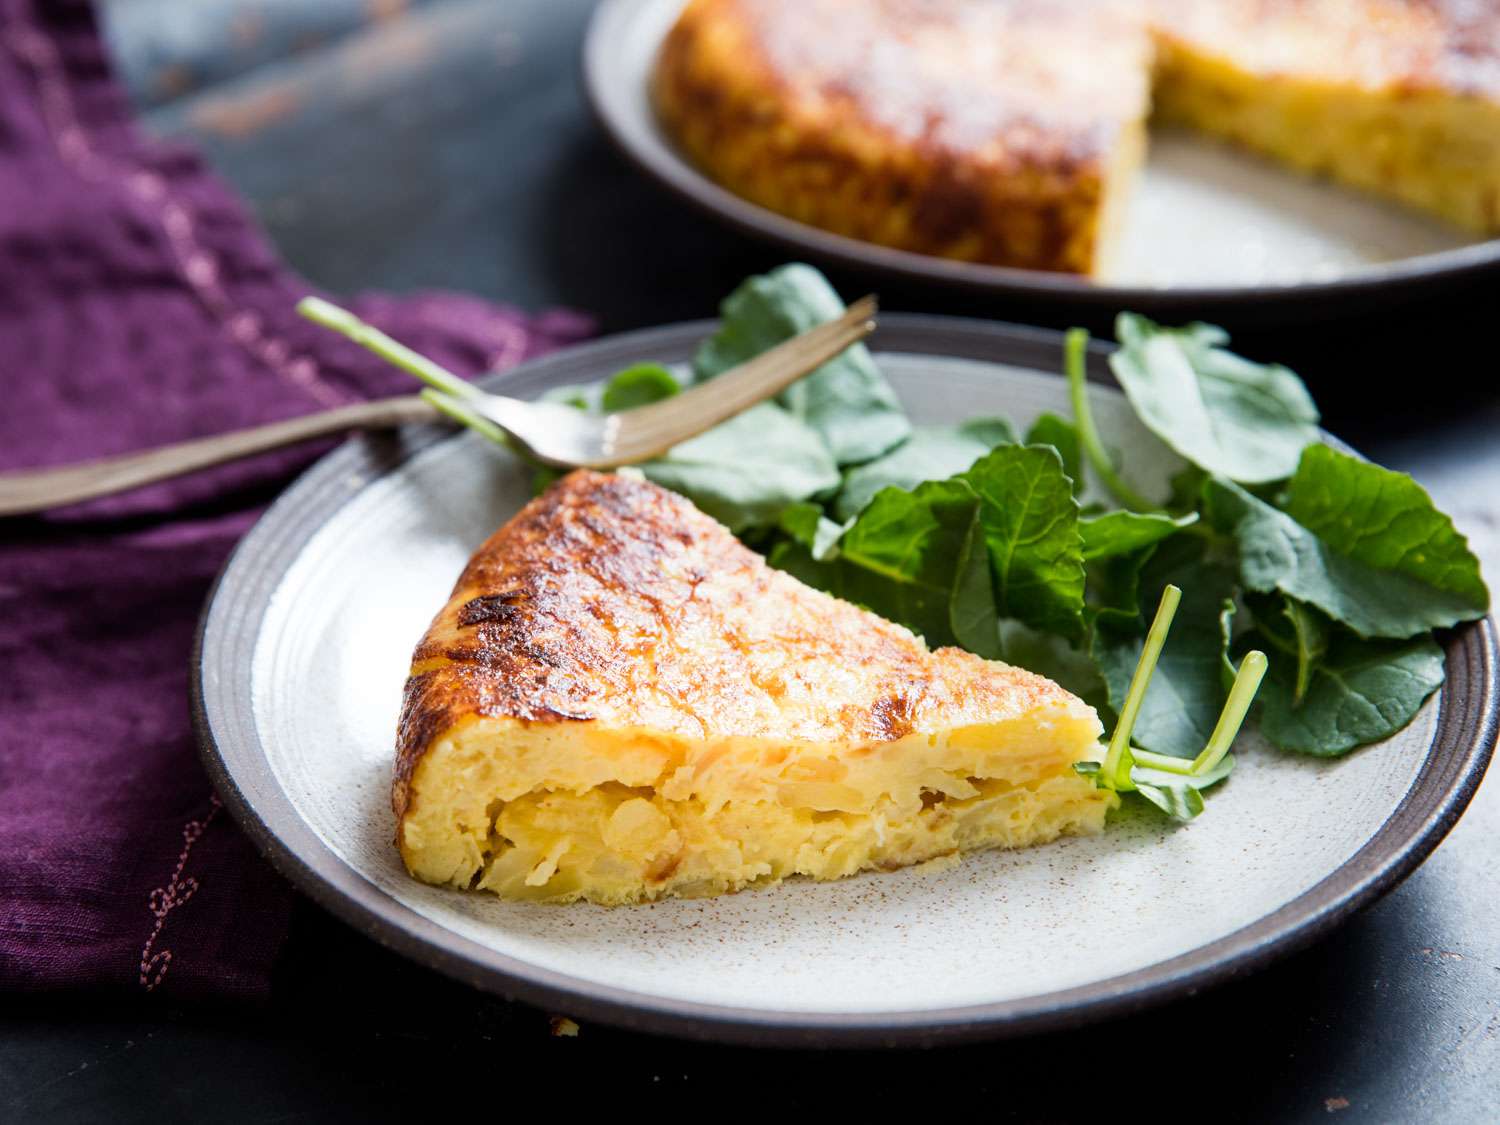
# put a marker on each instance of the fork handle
(36, 490)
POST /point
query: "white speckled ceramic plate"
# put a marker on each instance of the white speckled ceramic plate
(1204, 226)
(305, 646)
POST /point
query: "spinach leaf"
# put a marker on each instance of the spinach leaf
(1227, 666)
(797, 560)
(1299, 631)
(1311, 631)
(918, 558)
(1062, 435)
(1385, 520)
(806, 523)
(1187, 691)
(988, 431)
(1278, 553)
(1186, 490)
(1113, 590)
(846, 401)
(1123, 533)
(909, 557)
(1174, 796)
(745, 471)
(930, 453)
(1178, 795)
(1361, 692)
(637, 385)
(1246, 421)
(1030, 520)
(800, 521)
(1116, 546)
(640, 385)
(972, 613)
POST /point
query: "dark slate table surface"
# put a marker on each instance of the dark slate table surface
(448, 146)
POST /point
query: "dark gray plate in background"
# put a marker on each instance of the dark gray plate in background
(1185, 210)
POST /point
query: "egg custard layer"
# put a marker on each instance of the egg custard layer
(622, 702)
(1011, 132)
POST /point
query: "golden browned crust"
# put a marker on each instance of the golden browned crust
(610, 600)
(936, 126)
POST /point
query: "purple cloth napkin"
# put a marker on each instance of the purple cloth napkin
(139, 305)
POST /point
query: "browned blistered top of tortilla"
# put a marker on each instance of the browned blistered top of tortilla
(610, 600)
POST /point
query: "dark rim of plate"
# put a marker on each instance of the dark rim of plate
(604, 82)
(1467, 727)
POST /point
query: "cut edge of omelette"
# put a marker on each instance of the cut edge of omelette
(529, 794)
(534, 811)
(1431, 149)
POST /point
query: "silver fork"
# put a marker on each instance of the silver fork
(552, 433)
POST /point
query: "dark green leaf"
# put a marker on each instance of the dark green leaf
(1385, 520)
(634, 386)
(1362, 691)
(902, 558)
(1278, 553)
(1030, 519)
(797, 560)
(638, 386)
(1227, 667)
(930, 453)
(1186, 490)
(1246, 421)
(847, 400)
(988, 431)
(1179, 801)
(1114, 591)
(1180, 796)
(1123, 533)
(801, 520)
(1187, 691)
(1311, 630)
(747, 470)
(1062, 435)
(806, 523)
(1298, 631)
(971, 610)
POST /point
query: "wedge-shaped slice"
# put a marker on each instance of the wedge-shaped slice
(622, 702)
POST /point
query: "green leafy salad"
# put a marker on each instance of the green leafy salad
(1277, 561)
